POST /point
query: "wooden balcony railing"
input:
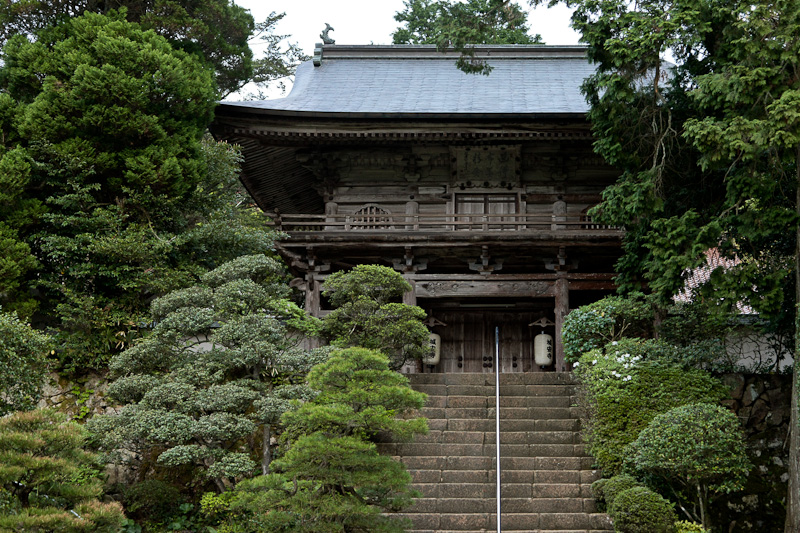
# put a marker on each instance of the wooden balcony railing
(434, 223)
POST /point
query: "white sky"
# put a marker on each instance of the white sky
(372, 21)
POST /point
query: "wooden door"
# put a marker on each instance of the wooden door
(468, 341)
(500, 211)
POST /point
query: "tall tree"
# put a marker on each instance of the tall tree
(119, 198)
(460, 25)
(708, 148)
(216, 31)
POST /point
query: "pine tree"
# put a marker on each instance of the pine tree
(47, 481)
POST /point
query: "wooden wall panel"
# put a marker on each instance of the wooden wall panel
(469, 335)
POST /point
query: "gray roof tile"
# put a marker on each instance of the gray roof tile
(418, 80)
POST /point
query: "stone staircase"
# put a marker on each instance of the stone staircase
(545, 473)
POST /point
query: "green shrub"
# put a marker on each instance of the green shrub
(23, 364)
(610, 319)
(699, 447)
(374, 282)
(684, 526)
(598, 489)
(152, 500)
(640, 510)
(627, 385)
(331, 477)
(617, 485)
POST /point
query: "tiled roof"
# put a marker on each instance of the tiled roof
(701, 275)
(420, 81)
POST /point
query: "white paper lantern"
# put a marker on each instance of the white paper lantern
(543, 349)
(436, 349)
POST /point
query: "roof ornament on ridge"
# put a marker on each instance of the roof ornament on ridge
(326, 39)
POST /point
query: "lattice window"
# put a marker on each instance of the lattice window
(372, 216)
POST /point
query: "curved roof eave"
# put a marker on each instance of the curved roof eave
(240, 109)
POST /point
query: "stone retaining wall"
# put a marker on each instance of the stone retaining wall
(761, 402)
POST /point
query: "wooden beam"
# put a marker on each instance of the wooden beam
(592, 285)
(488, 288)
(562, 308)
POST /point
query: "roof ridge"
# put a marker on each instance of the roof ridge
(429, 51)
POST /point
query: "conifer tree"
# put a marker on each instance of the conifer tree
(119, 198)
(216, 32)
(369, 315)
(461, 25)
(332, 477)
(216, 373)
(47, 481)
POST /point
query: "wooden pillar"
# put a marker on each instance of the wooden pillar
(410, 297)
(312, 295)
(562, 308)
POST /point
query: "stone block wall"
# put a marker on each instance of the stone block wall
(761, 401)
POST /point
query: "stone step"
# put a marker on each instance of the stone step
(533, 402)
(506, 413)
(548, 477)
(506, 437)
(517, 378)
(473, 449)
(562, 522)
(438, 389)
(487, 424)
(485, 531)
(543, 477)
(486, 489)
(509, 505)
(546, 474)
(486, 462)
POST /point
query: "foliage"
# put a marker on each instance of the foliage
(23, 364)
(220, 367)
(684, 526)
(107, 139)
(151, 499)
(332, 477)
(48, 475)
(357, 396)
(610, 319)
(626, 385)
(16, 262)
(461, 25)
(700, 446)
(217, 32)
(640, 510)
(366, 316)
(606, 490)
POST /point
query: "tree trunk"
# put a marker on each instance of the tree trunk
(702, 496)
(792, 524)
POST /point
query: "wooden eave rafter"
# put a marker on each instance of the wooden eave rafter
(302, 137)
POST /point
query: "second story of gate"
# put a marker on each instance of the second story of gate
(394, 144)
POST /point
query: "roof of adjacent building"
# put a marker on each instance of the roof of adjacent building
(418, 80)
